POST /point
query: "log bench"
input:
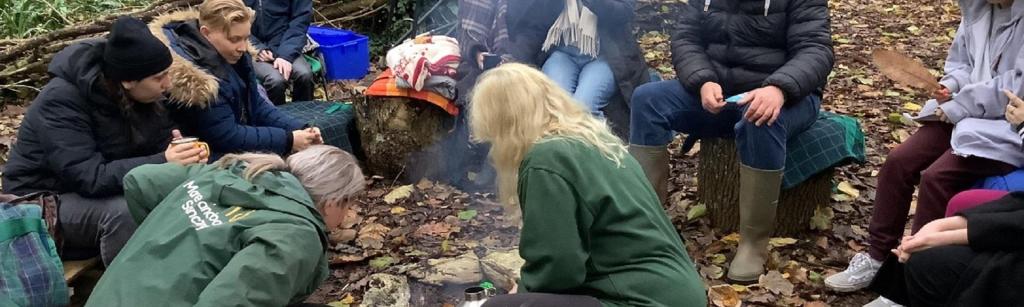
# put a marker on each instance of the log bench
(718, 179)
(811, 158)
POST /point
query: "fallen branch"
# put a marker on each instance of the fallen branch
(358, 15)
(95, 27)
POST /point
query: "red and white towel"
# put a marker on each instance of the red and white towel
(417, 59)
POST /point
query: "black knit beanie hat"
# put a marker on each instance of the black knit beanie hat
(132, 52)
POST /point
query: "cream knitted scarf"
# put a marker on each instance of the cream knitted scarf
(576, 27)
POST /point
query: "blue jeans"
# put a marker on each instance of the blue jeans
(660, 108)
(590, 81)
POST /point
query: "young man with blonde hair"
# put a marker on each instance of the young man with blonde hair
(219, 97)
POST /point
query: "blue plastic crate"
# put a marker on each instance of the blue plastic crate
(346, 53)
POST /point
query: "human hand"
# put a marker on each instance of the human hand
(711, 97)
(1015, 109)
(319, 139)
(765, 105)
(901, 255)
(942, 115)
(185, 154)
(265, 56)
(302, 139)
(919, 242)
(284, 67)
(942, 94)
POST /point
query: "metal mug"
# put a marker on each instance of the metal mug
(196, 143)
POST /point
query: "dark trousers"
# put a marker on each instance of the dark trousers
(924, 160)
(659, 108)
(95, 224)
(930, 278)
(542, 300)
(275, 84)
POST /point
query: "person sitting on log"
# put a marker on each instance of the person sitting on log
(966, 139)
(218, 96)
(775, 56)
(100, 116)
(593, 232)
(586, 46)
(248, 231)
(279, 34)
(973, 198)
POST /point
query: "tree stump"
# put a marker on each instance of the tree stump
(395, 132)
(718, 179)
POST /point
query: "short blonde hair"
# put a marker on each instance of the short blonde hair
(514, 106)
(222, 14)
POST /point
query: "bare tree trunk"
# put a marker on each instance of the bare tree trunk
(718, 188)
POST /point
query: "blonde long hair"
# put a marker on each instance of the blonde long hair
(515, 106)
(328, 173)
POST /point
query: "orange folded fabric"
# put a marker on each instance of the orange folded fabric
(387, 86)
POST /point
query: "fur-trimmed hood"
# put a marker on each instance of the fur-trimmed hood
(192, 85)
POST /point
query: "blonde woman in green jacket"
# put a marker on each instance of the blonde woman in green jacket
(250, 230)
(593, 232)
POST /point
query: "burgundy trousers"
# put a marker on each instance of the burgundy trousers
(924, 160)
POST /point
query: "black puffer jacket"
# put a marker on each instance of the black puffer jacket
(74, 138)
(746, 44)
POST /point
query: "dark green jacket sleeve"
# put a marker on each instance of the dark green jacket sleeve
(278, 265)
(551, 241)
(146, 186)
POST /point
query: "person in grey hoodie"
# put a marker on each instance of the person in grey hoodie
(965, 136)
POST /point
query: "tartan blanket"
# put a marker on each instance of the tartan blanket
(335, 120)
(387, 86)
(833, 140)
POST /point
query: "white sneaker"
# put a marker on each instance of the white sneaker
(882, 302)
(858, 276)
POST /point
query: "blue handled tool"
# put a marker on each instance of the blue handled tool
(735, 98)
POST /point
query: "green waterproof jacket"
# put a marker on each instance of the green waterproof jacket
(208, 237)
(593, 227)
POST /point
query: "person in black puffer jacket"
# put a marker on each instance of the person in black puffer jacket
(777, 55)
(98, 118)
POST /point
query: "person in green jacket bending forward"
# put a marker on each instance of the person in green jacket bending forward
(250, 230)
(593, 231)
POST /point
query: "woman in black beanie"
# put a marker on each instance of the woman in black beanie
(100, 116)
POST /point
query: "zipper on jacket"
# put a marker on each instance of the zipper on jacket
(707, 4)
